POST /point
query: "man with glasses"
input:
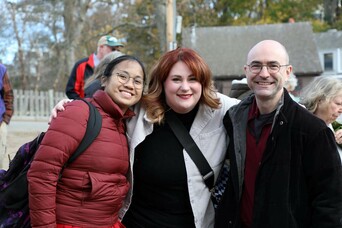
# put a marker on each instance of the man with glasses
(84, 68)
(285, 170)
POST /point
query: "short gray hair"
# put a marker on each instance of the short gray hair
(291, 83)
(323, 88)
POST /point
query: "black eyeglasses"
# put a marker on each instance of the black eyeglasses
(272, 68)
(123, 78)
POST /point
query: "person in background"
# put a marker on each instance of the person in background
(6, 112)
(93, 83)
(84, 68)
(285, 171)
(167, 189)
(93, 187)
(323, 97)
(240, 89)
(290, 85)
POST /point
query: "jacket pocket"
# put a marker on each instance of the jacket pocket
(108, 187)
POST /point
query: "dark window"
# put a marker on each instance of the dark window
(328, 62)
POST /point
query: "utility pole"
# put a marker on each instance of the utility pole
(171, 24)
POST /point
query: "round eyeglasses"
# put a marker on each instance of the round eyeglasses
(272, 68)
(124, 78)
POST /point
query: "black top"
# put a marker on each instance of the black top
(160, 191)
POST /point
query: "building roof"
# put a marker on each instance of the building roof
(225, 48)
(331, 39)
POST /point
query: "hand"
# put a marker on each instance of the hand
(59, 107)
(338, 136)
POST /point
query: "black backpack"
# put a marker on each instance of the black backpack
(14, 206)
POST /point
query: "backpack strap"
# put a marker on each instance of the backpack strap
(93, 129)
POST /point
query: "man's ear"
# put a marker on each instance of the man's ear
(245, 68)
(288, 72)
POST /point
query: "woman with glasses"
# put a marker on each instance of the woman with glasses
(93, 83)
(93, 187)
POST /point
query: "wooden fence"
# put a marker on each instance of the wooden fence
(30, 104)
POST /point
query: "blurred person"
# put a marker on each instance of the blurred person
(285, 171)
(93, 187)
(323, 97)
(290, 85)
(240, 89)
(6, 112)
(93, 83)
(84, 68)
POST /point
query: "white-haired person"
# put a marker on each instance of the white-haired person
(323, 98)
(290, 86)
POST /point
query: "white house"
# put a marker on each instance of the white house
(329, 46)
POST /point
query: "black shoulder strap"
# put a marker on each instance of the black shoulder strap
(191, 148)
(93, 129)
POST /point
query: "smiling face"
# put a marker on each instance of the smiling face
(268, 86)
(182, 89)
(125, 94)
(329, 110)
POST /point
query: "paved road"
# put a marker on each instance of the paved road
(22, 131)
(27, 125)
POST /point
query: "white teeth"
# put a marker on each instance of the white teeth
(185, 97)
(126, 94)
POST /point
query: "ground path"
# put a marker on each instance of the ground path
(22, 131)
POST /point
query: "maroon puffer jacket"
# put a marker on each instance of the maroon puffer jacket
(94, 186)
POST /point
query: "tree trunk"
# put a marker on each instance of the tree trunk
(22, 74)
(160, 6)
(74, 15)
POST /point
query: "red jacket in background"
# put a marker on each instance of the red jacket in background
(82, 70)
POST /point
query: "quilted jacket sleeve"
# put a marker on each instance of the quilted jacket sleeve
(61, 139)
